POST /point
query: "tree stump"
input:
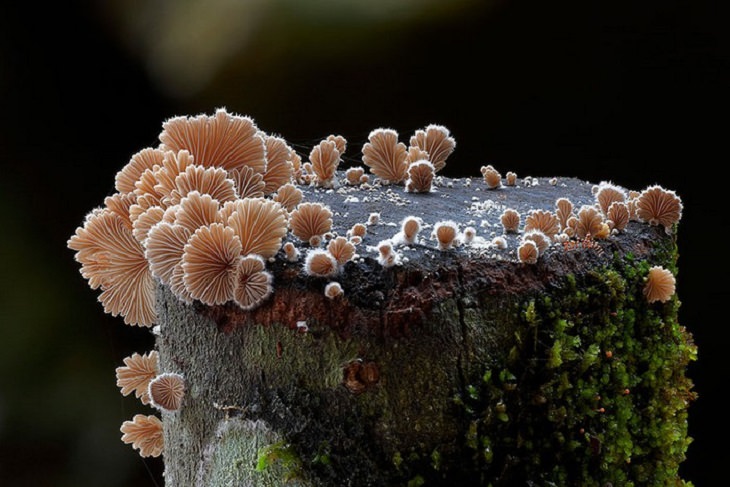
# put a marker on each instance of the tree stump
(453, 367)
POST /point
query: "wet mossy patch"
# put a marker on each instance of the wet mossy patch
(593, 393)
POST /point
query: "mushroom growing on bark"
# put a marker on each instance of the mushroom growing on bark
(660, 285)
(145, 435)
(436, 140)
(385, 156)
(289, 381)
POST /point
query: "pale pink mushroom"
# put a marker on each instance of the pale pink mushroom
(658, 206)
(544, 221)
(136, 374)
(148, 158)
(510, 220)
(223, 140)
(253, 283)
(420, 177)
(166, 391)
(341, 249)
(660, 285)
(527, 252)
(145, 435)
(209, 264)
(385, 156)
(113, 260)
(325, 159)
(289, 196)
(278, 164)
(436, 140)
(260, 225)
(310, 219)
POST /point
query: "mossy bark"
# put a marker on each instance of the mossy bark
(465, 373)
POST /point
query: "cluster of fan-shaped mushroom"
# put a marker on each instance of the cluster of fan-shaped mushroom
(388, 159)
(413, 166)
(164, 391)
(201, 213)
(614, 207)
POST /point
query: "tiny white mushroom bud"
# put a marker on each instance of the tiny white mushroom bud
(333, 290)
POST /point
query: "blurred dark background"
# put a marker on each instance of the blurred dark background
(629, 92)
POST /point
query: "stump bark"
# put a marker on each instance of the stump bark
(454, 368)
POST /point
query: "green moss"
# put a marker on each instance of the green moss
(416, 481)
(282, 455)
(601, 389)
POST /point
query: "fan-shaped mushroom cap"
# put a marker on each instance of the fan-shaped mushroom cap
(166, 391)
(206, 180)
(278, 164)
(589, 222)
(658, 206)
(165, 246)
(113, 260)
(197, 210)
(541, 240)
(310, 219)
(223, 140)
(544, 221)
(119, 204)
(333, 290)
(420, 177)
(291, 252)
(527, 252)
(341, 249)
(209, 264)
(436, 140)
(253, 283)
(410, 227)
(446, 232)
(289, 196)
(492, 177)
(608, 193)
(127, 177)
(147, 194)
(145, 221)
(618, 214)
(510, 178)
(417, 154)
(173, 164)
(145, 435)
(563, 210)
(136, 374)
(354, 175)
(385, 156)
(340, 142)
(320, 263)
(660, 285)
(248, 183)
(325, 158)
(358, 230)
(144, 203)
(510, 220)
(260, 225)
